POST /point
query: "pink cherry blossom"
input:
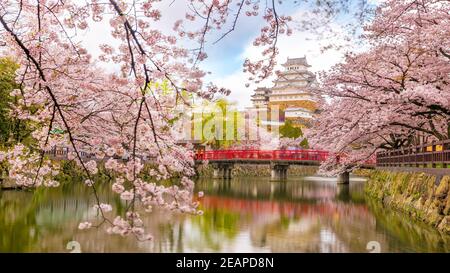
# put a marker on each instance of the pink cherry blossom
(87, 111)
(84, 225)
(127, 196)
(105, 207)
(118, 188)
(393, 95)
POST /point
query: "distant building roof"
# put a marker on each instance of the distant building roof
(262, 89)
(296, 61)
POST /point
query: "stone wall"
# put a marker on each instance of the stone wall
(422, 196)
(7, 184)
(258, 170)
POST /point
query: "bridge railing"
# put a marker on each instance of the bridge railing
(434, 155)
(305, 155)
(63, 153)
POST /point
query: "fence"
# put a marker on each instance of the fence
(434, 155)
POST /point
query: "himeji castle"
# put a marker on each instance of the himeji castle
(291, 92)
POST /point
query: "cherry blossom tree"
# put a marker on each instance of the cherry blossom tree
(385, 96)
(71, 101)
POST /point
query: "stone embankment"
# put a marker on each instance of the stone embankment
(258, 170)
(422, 196)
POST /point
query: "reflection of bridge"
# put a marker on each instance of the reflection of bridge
(287, 226)
(279, 161)
(261, 208)
(305, 191)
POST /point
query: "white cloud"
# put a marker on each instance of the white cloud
(297, 45)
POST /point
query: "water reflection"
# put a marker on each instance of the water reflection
(241, 215)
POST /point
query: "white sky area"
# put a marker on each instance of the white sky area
(294, 46)
(225, 58)
(300, 44)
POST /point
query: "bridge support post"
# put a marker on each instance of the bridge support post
(278, 172)
(227, 171)
(274, 175)
(222, 170)
(344, 178)
(284, 172)
(216, 172)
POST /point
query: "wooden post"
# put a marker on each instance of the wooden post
(433, 157)
(217, 171)
(416, 157)
(445, 153)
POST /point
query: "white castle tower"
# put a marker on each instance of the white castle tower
(291, 92)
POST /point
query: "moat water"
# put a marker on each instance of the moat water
(304, 214)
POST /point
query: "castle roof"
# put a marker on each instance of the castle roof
(262, 89)
(296, 61)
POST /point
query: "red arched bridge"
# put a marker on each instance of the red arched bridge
(279, 160)
(301, 157)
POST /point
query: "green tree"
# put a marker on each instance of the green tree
(12, 130)
(290, 131)
(7, 84)
(227, 113)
